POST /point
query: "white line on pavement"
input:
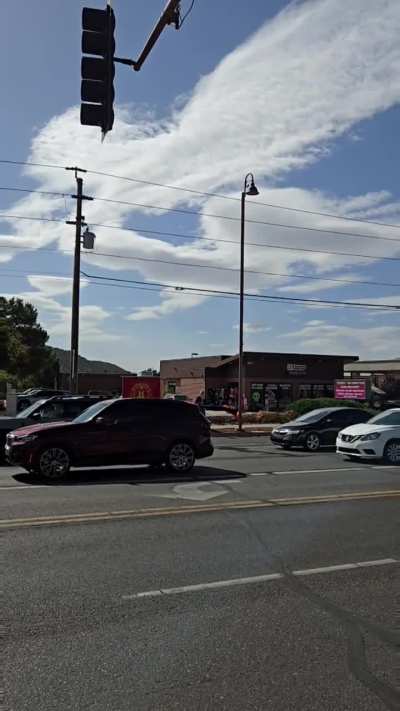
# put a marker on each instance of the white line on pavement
(23, 487)
(258, 579)
(324, 471)
(309, 471)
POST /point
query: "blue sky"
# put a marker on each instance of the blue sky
(305, 95)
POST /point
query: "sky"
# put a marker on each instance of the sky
(305, 95)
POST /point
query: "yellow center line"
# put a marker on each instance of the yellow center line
(194, 508)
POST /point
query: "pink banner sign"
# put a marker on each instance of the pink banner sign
(350, 390)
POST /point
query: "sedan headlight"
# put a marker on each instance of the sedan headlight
(293, 431)
(23, 439)
(370, 435)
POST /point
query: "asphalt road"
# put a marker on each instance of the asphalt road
(267, 580)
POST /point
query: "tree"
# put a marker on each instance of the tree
(23, 350)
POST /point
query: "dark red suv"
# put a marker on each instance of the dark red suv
(115, 432)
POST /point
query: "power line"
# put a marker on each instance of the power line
(199, 291)
(209, 194)
(248, 220)
(339, 233)
(36, 192)
(187, 13)
(257, 296)
(207, 266)
(211, 239)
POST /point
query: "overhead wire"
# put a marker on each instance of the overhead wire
(257, 296)
(207, 194)
(186, 15)
(203, 291)
(211, 239)
(204, 266)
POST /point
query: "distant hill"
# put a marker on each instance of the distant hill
(92, 367)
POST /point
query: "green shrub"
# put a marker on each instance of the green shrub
(267, 418)
(300, 407)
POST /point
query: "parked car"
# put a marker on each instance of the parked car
(177, 397)
(115, 432)
(318, 428)
(45, 410)
(103, 394)
(379, 438)
(28, 397)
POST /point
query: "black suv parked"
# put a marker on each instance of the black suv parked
(115, 432)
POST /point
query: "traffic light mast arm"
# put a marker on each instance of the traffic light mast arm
(170, 16)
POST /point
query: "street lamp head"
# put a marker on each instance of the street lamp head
(250, 186)
(88, 239)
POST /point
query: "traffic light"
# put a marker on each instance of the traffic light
(97, 88)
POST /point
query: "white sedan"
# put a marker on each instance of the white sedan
(379, 438)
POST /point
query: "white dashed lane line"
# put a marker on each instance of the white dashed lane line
(258, 579)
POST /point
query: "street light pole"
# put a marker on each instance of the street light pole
(248, 189)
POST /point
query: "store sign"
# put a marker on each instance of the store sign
(350, 390)
(140, 388)
(296, 368)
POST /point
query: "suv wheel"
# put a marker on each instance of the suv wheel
(391, 454)
(53, 463)
(312, 442)
(181, 457)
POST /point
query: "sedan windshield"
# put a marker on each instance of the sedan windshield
(313, 416)
(386, 418)
(92, 411)
(29, 410)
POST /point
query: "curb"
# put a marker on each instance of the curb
(244, 433)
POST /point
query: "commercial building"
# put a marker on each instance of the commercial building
(94, 375)
(383, 376)
(271, 380)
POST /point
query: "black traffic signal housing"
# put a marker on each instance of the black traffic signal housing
(97, 87)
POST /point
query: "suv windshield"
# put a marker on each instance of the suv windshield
(92, 411)
(386, 418)
(32, 408)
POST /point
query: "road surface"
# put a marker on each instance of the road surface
(266, 580)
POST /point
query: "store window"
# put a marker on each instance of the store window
(171, 387)
(278, 397)
(257, 396)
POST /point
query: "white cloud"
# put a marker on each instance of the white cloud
(55, 317)
(288, 106)
(253, 328)
(172, 302)
(369, 342)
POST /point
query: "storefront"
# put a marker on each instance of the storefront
(382, 376)
(271, 380)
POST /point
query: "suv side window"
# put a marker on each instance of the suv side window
(73, 408)
(129, 411)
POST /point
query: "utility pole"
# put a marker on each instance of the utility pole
(78, 222)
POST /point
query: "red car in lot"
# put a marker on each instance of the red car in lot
(115, 432)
